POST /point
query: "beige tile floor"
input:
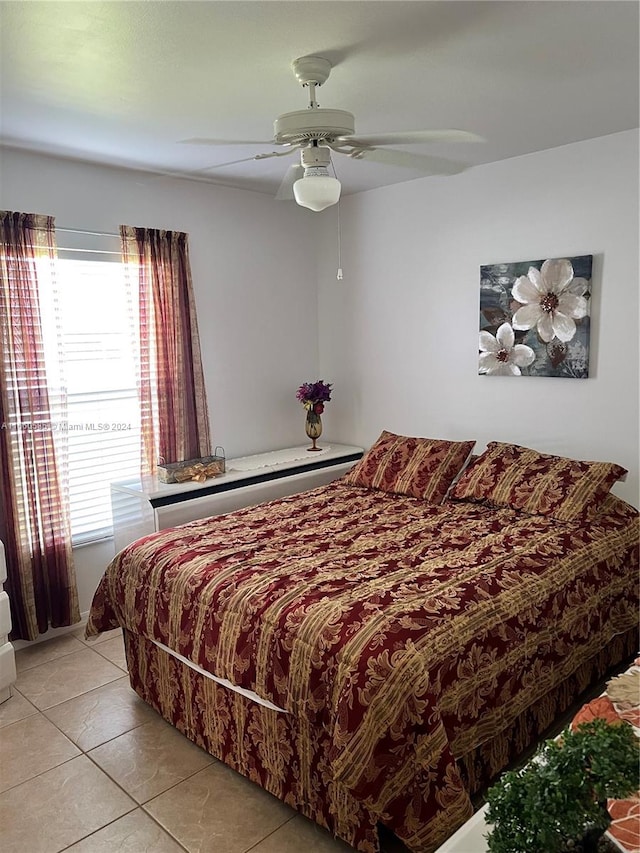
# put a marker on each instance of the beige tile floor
(86, 766)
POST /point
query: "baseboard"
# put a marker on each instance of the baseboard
(52, 632)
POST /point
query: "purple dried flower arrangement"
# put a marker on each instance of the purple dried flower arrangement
(313, 395)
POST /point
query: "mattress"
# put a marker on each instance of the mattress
(393, 639)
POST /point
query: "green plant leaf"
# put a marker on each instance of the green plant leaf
(561, 792)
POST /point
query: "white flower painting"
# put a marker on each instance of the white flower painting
(501, 356)
(534, 318)
(552, 298)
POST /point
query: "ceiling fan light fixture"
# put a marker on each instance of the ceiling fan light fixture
(317, 189)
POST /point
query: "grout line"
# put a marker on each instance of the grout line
(50, 660)
(78, 840)
(160, 793)
(85, 647)
(42, 772)
(180, 781)
(108, 740)
(78, 695)
(109, 659)
(164, 829)
(14, 689)
(269, 834)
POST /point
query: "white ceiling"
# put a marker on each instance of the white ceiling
(124, 83)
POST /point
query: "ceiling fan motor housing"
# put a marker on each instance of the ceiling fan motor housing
(311, 70)
(302, 125)
(315, 157)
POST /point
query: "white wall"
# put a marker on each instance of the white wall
(254, 279)
(398, 336)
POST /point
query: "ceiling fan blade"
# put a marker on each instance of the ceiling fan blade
(285, 190)
(421, 162)
(228, 163)
(248, 159)
(415, 137)
(196, 140)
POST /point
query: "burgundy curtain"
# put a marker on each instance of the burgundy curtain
(175, 423)
(34, 519)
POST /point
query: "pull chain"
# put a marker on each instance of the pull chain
(339, 275)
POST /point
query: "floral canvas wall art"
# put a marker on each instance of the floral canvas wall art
(534, 318)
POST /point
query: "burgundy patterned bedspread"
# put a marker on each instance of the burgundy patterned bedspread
(410, 632)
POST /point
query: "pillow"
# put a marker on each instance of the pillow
(537, 483)
(421, 467)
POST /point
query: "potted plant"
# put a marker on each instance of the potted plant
(558, 801)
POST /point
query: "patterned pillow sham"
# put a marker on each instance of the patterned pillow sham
(420, 467)
(537, 483)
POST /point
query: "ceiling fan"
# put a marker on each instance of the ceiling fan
(316, 132)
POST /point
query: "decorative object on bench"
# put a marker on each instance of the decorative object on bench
(558, 801)
(313, 396)
(534, 318)
(197, 470)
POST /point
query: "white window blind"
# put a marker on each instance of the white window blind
(97, 342)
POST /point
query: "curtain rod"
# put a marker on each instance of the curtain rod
(91, 233)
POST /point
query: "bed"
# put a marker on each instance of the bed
(375, 650)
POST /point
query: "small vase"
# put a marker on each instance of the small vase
(313, 428)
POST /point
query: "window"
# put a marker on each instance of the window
(89, 314)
